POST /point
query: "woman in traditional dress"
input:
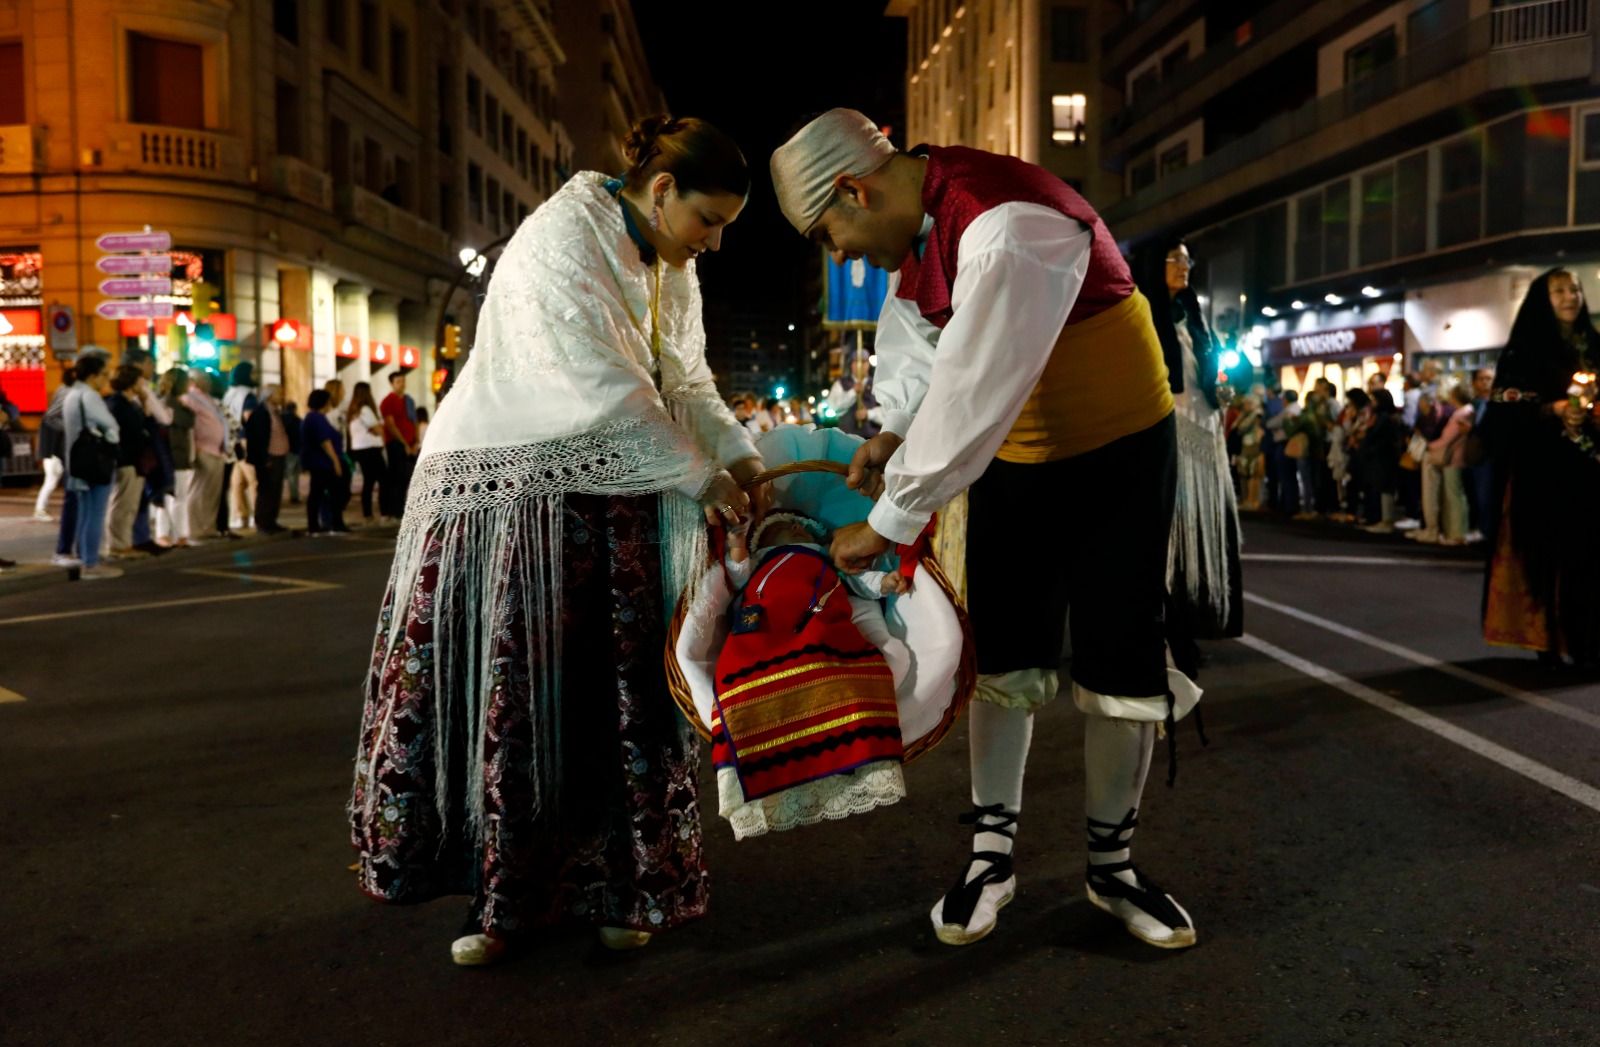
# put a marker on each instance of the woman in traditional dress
(518, 741)
(1203, 569)
(1543, 587)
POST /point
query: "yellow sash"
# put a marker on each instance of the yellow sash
(1106, 379)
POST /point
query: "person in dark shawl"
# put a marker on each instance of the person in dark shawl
(1204, 579)
(1542, 586)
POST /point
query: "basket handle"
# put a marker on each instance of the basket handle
(816, 465)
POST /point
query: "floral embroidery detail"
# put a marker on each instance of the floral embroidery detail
(627, 849)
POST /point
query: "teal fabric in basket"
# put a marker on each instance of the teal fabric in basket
(822, 496)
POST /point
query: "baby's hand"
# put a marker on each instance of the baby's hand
(895, 583)
(738, 544)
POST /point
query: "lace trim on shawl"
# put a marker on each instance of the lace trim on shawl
(492, 518)
(869, 786)
(626, 457)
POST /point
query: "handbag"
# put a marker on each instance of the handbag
(94, 458)
(1416, 451)
(1298, 446)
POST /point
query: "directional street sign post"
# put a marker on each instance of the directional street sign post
(135, 310)
(145, 241)
(137, 278)
(143, 286)
(135, 264)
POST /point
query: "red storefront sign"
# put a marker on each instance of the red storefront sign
(290, 333)
(24, 321)
(1338, 343)
(224, 326)
(346, 347)
(409, 356)
(24, 386)
(380, 353)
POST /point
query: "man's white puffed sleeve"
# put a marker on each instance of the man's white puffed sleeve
(1020, 269)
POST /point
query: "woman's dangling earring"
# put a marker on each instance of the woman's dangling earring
(655, 215)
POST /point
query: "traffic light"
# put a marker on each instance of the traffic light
(452, 342)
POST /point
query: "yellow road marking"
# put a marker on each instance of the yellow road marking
(10, 696)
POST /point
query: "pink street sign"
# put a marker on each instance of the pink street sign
(134, 264)
(156, 241)
(147, 285)
(135, 310)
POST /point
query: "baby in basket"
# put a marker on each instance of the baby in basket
(806, 726)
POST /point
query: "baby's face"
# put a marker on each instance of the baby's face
(787, 534)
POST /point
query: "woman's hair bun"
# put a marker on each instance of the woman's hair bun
(641, 143)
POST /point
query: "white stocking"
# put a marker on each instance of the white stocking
(1116, 761)
(999, 738)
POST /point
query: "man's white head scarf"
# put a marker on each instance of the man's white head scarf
(839, 142)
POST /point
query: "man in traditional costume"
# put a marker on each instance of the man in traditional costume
(1016, 359)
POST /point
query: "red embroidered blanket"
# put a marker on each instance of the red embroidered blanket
(800, 694)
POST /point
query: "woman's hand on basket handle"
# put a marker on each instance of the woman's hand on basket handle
(866, 465)
(746, 470)
(724, 501)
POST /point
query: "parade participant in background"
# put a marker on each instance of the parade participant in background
(1542, 591)
(1204, 578)
(1015, 358)
(519, 742)
(852, 398)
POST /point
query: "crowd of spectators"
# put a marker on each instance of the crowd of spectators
(1359, 457)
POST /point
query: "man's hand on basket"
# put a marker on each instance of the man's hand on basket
(866, 465)
(724, 501)
(760, 496)
(856, 546)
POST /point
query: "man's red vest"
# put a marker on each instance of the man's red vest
(962, 184)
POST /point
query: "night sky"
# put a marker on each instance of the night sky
(756, 70)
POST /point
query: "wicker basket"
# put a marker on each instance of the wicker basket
(928, 571)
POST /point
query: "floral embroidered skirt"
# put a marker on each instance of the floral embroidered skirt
(623, 845)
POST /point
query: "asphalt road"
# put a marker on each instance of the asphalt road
(1392, 839)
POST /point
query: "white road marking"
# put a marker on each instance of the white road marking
(291, 587)
(1488, 683)
(1534, 771)
(1365, 561)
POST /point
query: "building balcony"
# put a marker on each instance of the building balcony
(300, 181)
(372, 212)
(1481, 58)
(537, 19)
(150, 149)
(21, 149)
